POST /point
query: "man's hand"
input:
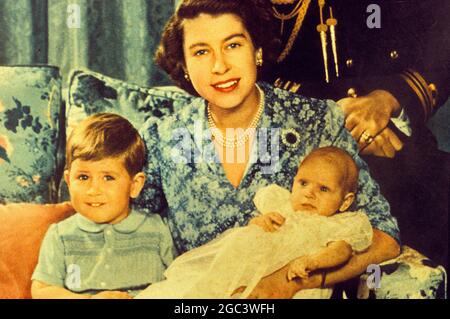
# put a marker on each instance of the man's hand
(368, 116)
(270, 222)
(385, 144)
(301, 267)
(112, 295)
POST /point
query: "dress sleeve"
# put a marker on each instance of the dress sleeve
(368, 198)
(51, 266)
(151, 199)
(352, 227)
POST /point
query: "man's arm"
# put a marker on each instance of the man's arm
(277, 284)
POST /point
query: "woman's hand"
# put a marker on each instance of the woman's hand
(368, 116)
(270, 222)
(112, 295)
(276, 286)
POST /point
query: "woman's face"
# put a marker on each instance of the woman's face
(220, 59)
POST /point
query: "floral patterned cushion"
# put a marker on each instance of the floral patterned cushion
(91, 92)
(30, 101)
(409, 276)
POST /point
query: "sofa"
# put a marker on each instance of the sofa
(36, 115)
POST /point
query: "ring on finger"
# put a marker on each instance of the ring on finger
(367, 138)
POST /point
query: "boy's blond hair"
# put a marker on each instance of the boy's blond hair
(105, 135)
(343, 160)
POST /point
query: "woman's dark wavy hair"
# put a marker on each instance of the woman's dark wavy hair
(256, 15)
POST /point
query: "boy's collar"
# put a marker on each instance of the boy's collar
(128, 225)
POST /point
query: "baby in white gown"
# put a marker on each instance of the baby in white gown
(308, 229)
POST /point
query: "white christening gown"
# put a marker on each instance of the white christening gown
(242, 256)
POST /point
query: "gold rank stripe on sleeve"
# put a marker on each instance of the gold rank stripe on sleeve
(426, 93)
(287, 85)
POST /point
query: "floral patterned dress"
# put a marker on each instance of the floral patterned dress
(187, 183)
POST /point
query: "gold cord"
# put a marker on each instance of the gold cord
(301, 12)
(322, 29)
(288, 16)
(332, 23)
(284, 17)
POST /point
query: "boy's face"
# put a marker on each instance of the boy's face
(317, 188)
(101, 190)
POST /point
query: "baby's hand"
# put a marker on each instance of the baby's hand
(112, 295)
(269, 222)
(301, 267)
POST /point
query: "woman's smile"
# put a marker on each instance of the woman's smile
(226, 86)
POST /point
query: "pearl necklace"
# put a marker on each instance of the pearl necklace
(243, 138)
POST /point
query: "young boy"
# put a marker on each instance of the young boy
(105, 250)
(308, 235)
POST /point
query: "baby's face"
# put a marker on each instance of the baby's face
(100, 190)
(317, 188)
